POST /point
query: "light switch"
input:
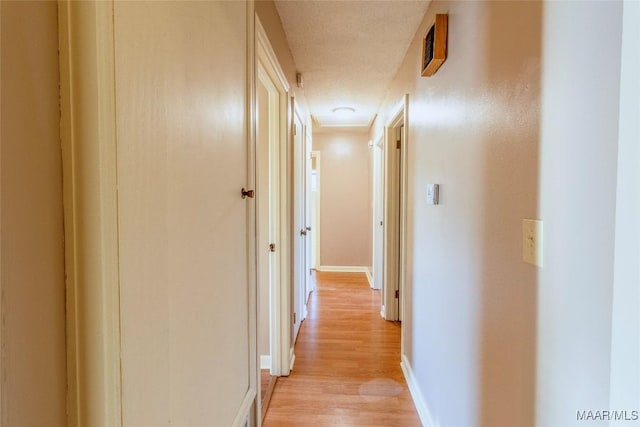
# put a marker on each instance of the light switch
(433, 194)
(532, 241)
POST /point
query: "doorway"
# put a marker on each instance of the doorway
(314, 191)
(300, 228)
(394, 213)
(273, 207)
(378, 213)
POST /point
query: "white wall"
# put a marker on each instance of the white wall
(32, 249)
(578, 174)
(625, 324)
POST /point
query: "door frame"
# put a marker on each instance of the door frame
(90, 203)
(280, 301)
(298, 222)
(378, 213)
(316, 212)
(88, 132)
(308, 265)
(395, 213)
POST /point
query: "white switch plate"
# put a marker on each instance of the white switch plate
(433, 194)
(532, 241)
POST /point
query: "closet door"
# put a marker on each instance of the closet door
(186, 235)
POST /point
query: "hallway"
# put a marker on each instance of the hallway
(347, 368)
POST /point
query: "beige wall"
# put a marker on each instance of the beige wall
(519, 122)
(32, 253)
(470, 329)
(345, 198)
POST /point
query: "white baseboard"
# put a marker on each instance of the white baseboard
(383, 313)
(418, 399)
(265, 361)
(369, 277)
(343, 268)
(244, 413)
(292, 357)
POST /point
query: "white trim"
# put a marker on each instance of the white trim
(89, 158)
(265, 361)
(298, 221)
(315, 230)
(343, 269)
(243, 415)
(369, 277)
(279, 313)
(394, 262)
(397, 110)
(377, 212)
(416, 394)
(383, 313)
(267, 54)
(292, 357)
(3, 417)
(251, 403)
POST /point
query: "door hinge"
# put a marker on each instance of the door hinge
(294, 318)
(310, 271)
(295, 130)
(397, 294)
(272, 247)
(398, 143)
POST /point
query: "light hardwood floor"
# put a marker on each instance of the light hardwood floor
(347, 369)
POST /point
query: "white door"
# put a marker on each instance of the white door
(308, 195)
(186, 236)
(266, 261)
(315, 208)
(299, 225)
(378, 216)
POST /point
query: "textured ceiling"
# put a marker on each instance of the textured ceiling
(348, 52)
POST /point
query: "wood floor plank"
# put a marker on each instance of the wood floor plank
(347, 370)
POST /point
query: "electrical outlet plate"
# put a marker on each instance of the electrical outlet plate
(532, 241)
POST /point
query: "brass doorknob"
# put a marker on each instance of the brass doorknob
(247, 193)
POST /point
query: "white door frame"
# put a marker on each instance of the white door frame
(316, 212)
(88, 136)
(299, 231)
(395, 217)
(378, 212)
(89, 152)
(279, 287)
(308, 218)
